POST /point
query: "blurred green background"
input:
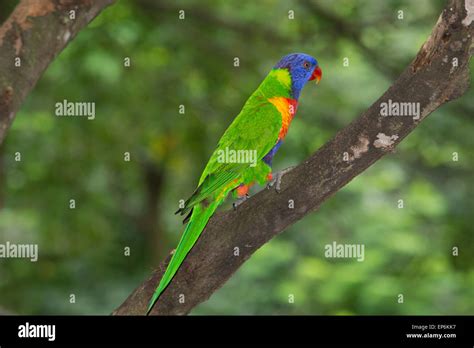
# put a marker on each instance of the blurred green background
(190, 62)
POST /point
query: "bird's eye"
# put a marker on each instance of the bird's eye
(306, 64)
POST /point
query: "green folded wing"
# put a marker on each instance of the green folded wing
(255, 128)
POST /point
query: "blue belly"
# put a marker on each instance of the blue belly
(269, 156)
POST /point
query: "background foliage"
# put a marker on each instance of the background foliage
(190, 62)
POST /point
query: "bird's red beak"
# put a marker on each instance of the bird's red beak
(317, 73)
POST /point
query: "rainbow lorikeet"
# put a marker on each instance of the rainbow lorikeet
(259, 129)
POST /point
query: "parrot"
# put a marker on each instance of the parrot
(259, 128)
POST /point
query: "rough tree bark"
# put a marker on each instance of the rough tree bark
(36, 32)
(432, 79)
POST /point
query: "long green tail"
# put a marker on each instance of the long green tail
(195, 226)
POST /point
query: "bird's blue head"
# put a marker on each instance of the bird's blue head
(302, 68)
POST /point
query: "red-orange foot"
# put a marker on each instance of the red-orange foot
(243, 190)
(243, 194)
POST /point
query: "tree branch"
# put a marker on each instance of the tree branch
(36, 32)
(431, 80)
(353, 32)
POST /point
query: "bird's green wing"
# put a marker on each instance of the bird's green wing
(256, 128)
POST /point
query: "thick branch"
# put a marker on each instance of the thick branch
(36, 32)
(430, 80)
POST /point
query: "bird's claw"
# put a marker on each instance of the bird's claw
(240, 200)
(276, 179)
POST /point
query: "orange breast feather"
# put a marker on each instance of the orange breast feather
(287, 108)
